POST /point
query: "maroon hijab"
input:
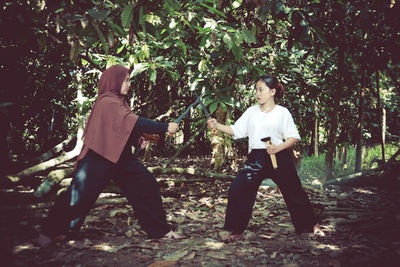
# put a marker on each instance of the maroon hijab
(111, 121)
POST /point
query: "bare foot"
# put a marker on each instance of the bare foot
(318, 231)
(172, 235)
(233, 237)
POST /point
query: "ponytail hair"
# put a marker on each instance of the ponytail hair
(273, 83)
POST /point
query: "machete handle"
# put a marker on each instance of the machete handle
(267, 141)
(273, 157)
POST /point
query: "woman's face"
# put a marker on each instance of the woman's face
(263, 92)
(125, 86)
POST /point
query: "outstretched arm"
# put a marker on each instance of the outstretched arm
(213, 124)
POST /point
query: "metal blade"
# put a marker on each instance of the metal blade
(184, 114)
(203, 107)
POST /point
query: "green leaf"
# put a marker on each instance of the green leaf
(139, 68)
(111, 62)
(213, 9)
(223, 106)
(119, 49)
(248, 36)
(116, 28)
(202, 65)
(192, 62)
(213, 107)
(127, 15)
(204, 39)
(145, 50)
(166, 44)
(224, 66)
(238, 39)
(152, 75)
(243, 70)
(173, 4)
(133, 60)
(237, 52)
(102, 39)
(228, 41)
(98, 14)
(182, 45)
(168, 64)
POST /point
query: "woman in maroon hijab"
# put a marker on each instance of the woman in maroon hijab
(109, 134)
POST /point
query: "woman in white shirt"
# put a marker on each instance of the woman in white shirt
(267, 119)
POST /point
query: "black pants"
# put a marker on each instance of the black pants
(243, 191)
(92, 175)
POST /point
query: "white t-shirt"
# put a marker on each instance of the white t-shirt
(277, 124)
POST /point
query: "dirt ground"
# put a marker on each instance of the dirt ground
(361, 226)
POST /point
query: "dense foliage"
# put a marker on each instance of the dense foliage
(330, 55)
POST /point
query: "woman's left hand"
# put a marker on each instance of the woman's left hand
(273, 149)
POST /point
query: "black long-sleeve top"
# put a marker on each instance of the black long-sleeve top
(142, 125)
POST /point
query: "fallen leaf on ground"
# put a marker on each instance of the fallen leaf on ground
(315, 252)
(190, 256)
(119, 211)
(162, 264)
(216, 255)
(214, 245)
(176, 255)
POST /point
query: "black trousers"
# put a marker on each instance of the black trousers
(92, 175)
(243, 190)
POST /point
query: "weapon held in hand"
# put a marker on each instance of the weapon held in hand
(213, 130)
(267, 140)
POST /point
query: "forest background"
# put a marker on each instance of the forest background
(338, 60)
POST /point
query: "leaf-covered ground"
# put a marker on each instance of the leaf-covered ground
(361, 223)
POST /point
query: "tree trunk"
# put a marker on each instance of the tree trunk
(344, 157)
(222, 150)
(186, 132)
(335, 114)
(59, 177)
(44, 166)
(382, 118)
(359, 130)
(4, 129)
(316, 130)
(52, 179)
(217, 142)
(52, 152)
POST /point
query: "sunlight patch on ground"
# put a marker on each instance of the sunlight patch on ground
(331, 247)
(104, 247)
(214, 244)
(364, 191)
(19, 248)
(107, 195)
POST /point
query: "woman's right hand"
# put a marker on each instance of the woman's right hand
(212, 123)
(172, 127)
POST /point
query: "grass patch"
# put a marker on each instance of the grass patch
(313, 167)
